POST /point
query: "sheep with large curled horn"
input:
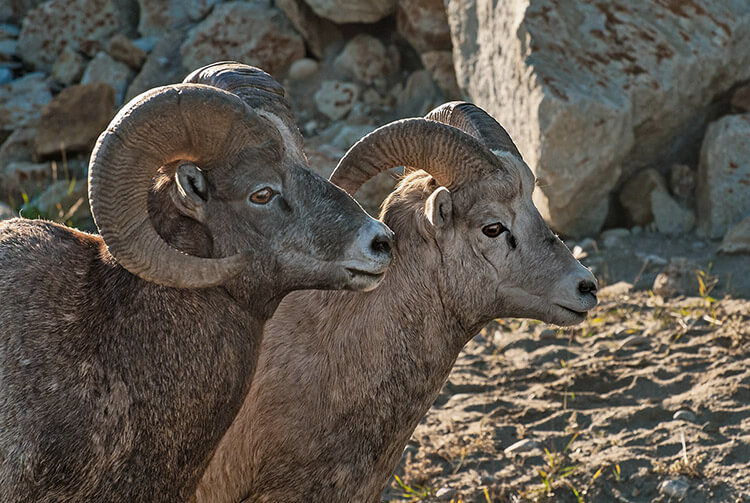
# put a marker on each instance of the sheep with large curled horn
(125, 356)
(335, 400)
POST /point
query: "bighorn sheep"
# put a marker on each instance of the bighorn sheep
(344, 377)
(123, 358)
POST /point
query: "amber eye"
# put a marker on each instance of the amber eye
(262, 196)
(493, 230)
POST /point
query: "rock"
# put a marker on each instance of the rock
(122, 49)
(741, 99)
(16, 10)
(163, 65)
(524, 445)
(103, 68)
(19, 146)
(363, 59)
(682, 184)
(615, 290)
(6, 75)
(8, 30)
(684, 415)
(63, 201)
(353, 11)
(737, 240)
(158, 15)
(243, 31)
(68, 66)
(680, 277)
(75, 118)
(723, 187)
(8, 49)
(334, 99)
(6, 211)
(635, 195)
(419, 96)
(350, 134)
(613, 237)
(21, 101)
(56, 24)
(591, 91)
(633, 341)
(424, 25)
(670, 218)
(24, 176)
(674, 488)
(445, 494)
(303, 68)
(440, 66)
(317, 32)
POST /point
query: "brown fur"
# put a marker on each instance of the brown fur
(345, 377)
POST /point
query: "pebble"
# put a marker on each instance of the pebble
(548, 333)
(633, 341)
(303, 68)
(524, 445)
(674, 488)
(611, 237)
(6, 75)
(445, 493)
(684, 415)
(588, 244)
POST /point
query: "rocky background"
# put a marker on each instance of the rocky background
(635, 117)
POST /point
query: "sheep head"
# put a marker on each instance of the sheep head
(233, 176)
(472, 213)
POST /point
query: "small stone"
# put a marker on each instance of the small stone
(445, 493)
(146, 44)
(6, 75)
(6, 211)
(588, 244)
(737, 240)
(123, 50)
(613, 237)
(682, 184)
(68, 67)
(684, 415)
(548, 334)
(670, 218)
(303, 68)
(363, 59)
(335, 98)
(9, 31)
(636, 230)
(680, 277)
(674, 488)
(633, 341)
(524, 445)
(8, 49)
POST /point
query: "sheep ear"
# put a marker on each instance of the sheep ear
(439, 208)
(191, 191)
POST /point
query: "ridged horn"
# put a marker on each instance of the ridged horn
(476, 122)
(450, 155)
(258, 89)
(200, 124)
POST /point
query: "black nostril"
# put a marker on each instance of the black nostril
(587, 286)
(381, 244)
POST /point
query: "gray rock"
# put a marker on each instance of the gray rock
(6, 75)
(8, 30)
(670, 218)
(350, 134)
(635, 195)
(674, 488)
(440, 66)
(103, 68)
(24, 176)
(591, 91)
(303, 68)
(613, 237)
(680, 277)
(68, 66)
(79, 24)
(737, 240)
(723, 187)
(19, 146)
(741, 99)
(15, 10)
(162, 66)
(8, 49)
(353, 11)
(64, 201)
(21, 101)
(419, 96)
(244, 31)
(363, 59)
(334, 99)
(158, 15)
(424, 25)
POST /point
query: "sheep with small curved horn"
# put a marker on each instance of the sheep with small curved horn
(124, 358)
(345, 377)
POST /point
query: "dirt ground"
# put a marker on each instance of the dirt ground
(646, 401)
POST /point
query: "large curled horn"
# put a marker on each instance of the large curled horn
(450, 155)
(476, 122)
(259, 90)
(195, 123)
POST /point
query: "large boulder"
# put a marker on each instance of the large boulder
(424, 24)
(158, 15)
(21, 101)
(593, 91)
(80, 24)
(251, 32)
(353, 11)
(723, 191)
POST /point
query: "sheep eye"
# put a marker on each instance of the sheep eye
(262, 196)
(493, 230)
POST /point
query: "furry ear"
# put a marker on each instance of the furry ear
(191, 191)
(439, 208)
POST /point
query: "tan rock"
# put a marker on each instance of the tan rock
(424, 24)
(635, 195)
(75, 118)
(363, 59)
(737, 240)
(353, 11)
(244, 32)
(741, 98)
(68, 66)
(334, 98)
(103, 68)
(317, 32)
(440, 66)
(122, 49)
(679, 277)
